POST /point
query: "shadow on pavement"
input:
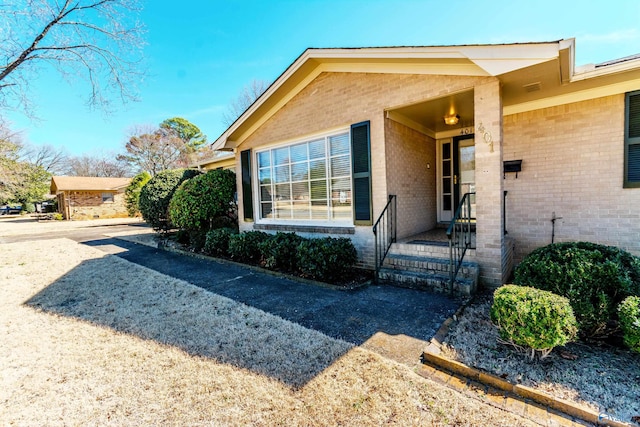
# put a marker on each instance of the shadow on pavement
(351, 315)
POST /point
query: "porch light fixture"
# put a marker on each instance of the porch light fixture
(451, 119)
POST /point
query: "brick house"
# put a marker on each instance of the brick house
(545, 150)
(84, 197)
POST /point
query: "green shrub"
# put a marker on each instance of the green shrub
(201, 199)
(197, 239)
(629, 314)
(156, 195)
(594, 277)
(217, 242)
(245, 247)
(279, 251)
(132, 192)
(57, 216)
(326, 259)
(534, 319)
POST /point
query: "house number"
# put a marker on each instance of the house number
(486, 135)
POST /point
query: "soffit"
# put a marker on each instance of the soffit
(542, 86)
(428, 116)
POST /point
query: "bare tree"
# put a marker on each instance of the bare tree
(97, 165)
(249, 94)
(175, 143)
(96, 40)
(155, 150)
(53, 160)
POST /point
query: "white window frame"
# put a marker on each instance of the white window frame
(303, 222)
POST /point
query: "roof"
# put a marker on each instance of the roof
(87, 183)
(217, 158)
(519, 66)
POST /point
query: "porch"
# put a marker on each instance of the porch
(431, 164)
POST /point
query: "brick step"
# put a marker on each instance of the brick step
(438, 282)
(428, 250)
(426, 264)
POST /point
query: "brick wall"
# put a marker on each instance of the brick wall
(89, 205)
(335, 100)
(407, 154)
(572, 164)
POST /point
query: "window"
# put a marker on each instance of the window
(107, 197)
(632, 140)
(308, 180)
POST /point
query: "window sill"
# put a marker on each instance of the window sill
(305, 228)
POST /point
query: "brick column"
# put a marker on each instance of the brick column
(489, 186)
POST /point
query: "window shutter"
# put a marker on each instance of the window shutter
(633, 158)
(361, 162)
(633, 121)
(632, 141)
(247, 194)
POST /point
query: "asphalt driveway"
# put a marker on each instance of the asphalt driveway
(351, 315)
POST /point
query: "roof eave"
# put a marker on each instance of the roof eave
(485, 57)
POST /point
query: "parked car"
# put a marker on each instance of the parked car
(10, 210)
(47, 206)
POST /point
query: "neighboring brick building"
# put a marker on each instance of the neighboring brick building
(83, 197)
(321, 151)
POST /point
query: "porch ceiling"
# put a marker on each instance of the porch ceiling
(428, 116)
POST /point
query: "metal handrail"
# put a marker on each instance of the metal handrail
(384, 232)
(459, 234)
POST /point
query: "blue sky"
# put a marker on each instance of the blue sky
(200, 54)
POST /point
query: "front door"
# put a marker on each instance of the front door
(457, 175)
(464, 173)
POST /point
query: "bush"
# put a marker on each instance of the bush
(534, 319)
(279, 251)
(594, 277)
(156, 195)
(326, 259)
(245, 247)
(132, 192)
(200, 200)
(217, 242)
(629, 314)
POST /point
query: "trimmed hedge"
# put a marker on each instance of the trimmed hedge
(326, 259)
(531, 318)
(629, 314)
(203, 198)
(595, 278)
(217, 242)
(245, 247)
(279, 251)
(156, 195)
(132, 192)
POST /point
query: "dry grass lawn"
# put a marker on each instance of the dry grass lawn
(91, 339)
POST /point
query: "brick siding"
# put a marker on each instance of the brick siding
(336, 100)
(572, 164)
(407, 154)
(89, 205)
